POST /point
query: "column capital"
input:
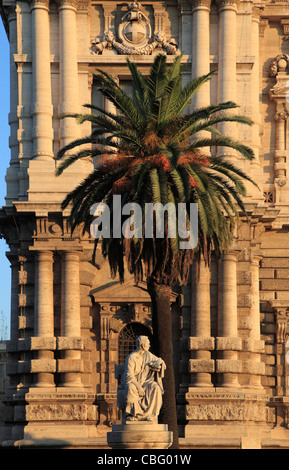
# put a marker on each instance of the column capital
(256, 13)
(255, 256)
(40, 4)
(67, 3)
(11, 13)
(231, 254)
(227, 4)
(201, 3)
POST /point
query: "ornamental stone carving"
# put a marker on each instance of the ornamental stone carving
(135, 36)
(279, 64)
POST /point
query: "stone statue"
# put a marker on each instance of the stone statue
(140, 390)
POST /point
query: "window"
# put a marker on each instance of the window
(268, 196)
(127, 337)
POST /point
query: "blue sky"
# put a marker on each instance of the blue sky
(5, 280)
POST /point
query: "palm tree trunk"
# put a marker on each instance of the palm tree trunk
(163, 347)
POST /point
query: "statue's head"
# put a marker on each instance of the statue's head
(142, 342)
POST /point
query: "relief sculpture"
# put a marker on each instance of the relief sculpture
(135, 36)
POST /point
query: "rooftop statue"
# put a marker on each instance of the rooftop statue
(140, 390)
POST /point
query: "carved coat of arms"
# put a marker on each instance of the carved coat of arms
(135, 36)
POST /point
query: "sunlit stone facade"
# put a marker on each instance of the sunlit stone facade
(70, 322)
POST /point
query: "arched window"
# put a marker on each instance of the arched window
(127, 337)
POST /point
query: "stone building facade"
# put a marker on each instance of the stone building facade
(70, 322)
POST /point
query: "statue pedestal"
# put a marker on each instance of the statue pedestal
(140, 435)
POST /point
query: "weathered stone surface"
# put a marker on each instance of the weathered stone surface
(274, 284)
(225, 412)
(37, 365)
(37, 343)
(282, 273)
(199, 365)
(250, 367)
(227, 343)
(266, 273)
(275, 262)
(244, 300)
(43, 365)
(245, 323)
(200, 343)
(64, 342)
(252, 345)
(69, 365)
(228, 366)
(56, 412)
(244, 278)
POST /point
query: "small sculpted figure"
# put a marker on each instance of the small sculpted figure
(140, 390)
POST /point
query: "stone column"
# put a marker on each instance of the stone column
(257, 175)
(280, 158)
(255, 84)
(70, 341)
(201, 340)
(227, 63)
(12, 178)
(42, 132)
(13, 357)
(201, 54)
(69, 86)
(255, 344)
(228, 343)
(201, 48)
(43, 319)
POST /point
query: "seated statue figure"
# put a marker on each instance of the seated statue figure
(140, 390)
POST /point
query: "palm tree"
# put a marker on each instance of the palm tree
(151, 152)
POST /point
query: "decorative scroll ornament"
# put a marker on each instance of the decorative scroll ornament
(135, 34)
